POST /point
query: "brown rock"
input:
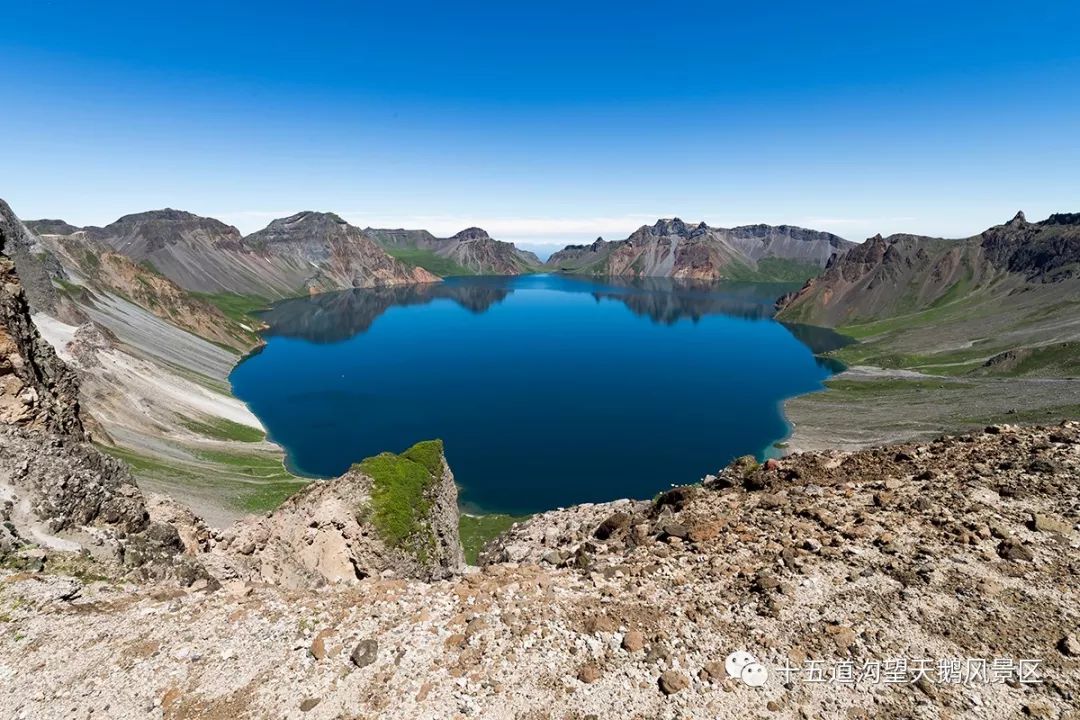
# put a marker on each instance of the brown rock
(1011, 549)
(318, 645)
(308, 704)
(713, 671)
(615, 523)
(588, 673)
(1048, 523)
(633, 641)
(1069, 645)
(672, 682)
(702, 532)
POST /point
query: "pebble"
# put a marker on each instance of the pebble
(365, 653)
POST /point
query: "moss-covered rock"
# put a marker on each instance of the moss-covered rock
(401, 494)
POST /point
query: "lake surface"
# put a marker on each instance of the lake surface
(546, 390)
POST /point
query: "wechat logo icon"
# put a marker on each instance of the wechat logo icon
(744, 666)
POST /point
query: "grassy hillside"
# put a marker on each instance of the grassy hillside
(429, 260)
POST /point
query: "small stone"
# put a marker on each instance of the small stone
(552, 557)
(588, 673)
(843, 636)
(308, 704)
(713, 671)
(703, 532)
(1039, 708)
(1069, 645)
(675, 530)
(1048, 523)
(672, 682)
(318, 645)
(365, 653)
(615, 523)
(1014, 550)
(772, 706)
(633, 641)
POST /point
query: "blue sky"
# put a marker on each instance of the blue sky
(549, 122)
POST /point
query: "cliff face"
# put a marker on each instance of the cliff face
(99, 269)
(36, 389)
(308, 252)
(903, 274)
(471, 251)
(673, 248)
(323, 252)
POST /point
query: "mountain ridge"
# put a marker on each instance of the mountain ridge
(904, 273)
(471, 251)
(303, 253)
(673, 248)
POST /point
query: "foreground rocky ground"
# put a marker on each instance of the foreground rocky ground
(964, 548)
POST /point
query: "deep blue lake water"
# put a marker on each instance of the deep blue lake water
(546, 390)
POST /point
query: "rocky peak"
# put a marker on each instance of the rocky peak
(472, 233)
(1018, 219)
(1062, 219)
(51, 227)
(673, 226)
(141, 234)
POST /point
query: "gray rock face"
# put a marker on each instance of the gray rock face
(883, 277)
(67, 484)
(308, 252)
(673, 248)
(320, 251)
(36, 389)
(472, 249)
(51, 227)
(35, 264)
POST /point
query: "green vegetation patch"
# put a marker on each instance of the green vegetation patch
(784, 270)
(1058, 359)
(240, 308)
(266, 496)
(845, 389)
(223, 429)
(429, 260)
(251, 482)
(477, 530)
(399, 493)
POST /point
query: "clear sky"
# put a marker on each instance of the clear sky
(545, 122)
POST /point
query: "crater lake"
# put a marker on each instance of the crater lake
(547, 390)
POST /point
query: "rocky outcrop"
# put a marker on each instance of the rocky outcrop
(36, 389)
(469, 252)
(392, 515)
(320, 252)
(902, 274)
(675, 249)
